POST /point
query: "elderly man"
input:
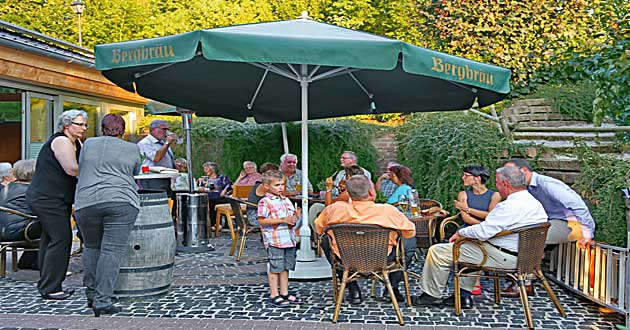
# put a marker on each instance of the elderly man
(363, 210)
(348, 158)
(384, 184)
(519, 209)
(569, 216)
(5, 178)
(156, 147)
(288, 166)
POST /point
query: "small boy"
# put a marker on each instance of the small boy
(278, 219)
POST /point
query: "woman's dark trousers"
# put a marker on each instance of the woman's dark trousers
(106, 228)
(55, 243)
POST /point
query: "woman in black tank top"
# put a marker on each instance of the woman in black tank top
(51, 195)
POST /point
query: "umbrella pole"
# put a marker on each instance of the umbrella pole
(308, 266)
(285, 141)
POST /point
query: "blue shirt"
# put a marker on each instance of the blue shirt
(403, 189)
(561, 202)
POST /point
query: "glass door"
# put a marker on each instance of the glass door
(38, 122)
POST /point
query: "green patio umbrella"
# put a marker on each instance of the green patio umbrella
(297, 70)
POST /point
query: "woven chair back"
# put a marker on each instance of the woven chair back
(239, 218)
(425, 229)
(426, 203)
(531, 247)
(362, 248)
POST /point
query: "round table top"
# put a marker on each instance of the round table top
(155, 176)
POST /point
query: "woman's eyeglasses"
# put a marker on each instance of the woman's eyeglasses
(80, 124)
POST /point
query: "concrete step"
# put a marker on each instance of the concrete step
(564, 147)
(551, 123)
(563, 136)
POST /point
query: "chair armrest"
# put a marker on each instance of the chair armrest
(520, 229)
(16, 212)
(462, 240)
(448, 221)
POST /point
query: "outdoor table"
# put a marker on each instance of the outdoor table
(312, 199)
(155, 176)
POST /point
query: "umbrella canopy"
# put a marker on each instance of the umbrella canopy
(225, 72)
(297, 70)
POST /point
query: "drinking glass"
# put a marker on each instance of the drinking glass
(403, 202)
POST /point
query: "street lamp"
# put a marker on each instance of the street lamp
(78, 7)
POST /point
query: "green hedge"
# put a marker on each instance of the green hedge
(436, 146)
(600, 182)
(229, 143)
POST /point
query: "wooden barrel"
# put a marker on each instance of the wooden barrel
(147, 271)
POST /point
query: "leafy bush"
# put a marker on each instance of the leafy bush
(229, 143)
(574, 99)
(436, 146)
(600, 182)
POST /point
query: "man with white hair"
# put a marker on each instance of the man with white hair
(347, 159)
(156, 147)
(384, 184)
(288, 167)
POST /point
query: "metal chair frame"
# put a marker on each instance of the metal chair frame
(28, 244)
(531, 250)
(242, 226)
(363, 253)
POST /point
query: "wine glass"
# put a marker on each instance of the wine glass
(403, 202)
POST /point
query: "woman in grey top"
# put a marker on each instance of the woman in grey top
(106, 207)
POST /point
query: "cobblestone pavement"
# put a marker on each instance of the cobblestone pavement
(212, 291)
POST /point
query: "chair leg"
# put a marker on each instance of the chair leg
(14, 259)
(335, 285)
(342, 289)
(234, 241)
(373, 289)
(456, 294)
(217, 222)
(230, 224)
(392, 296)
(497, 290)
(552, 295)
(525, 301)
(3, 261)
(242, 247)
(407, 293)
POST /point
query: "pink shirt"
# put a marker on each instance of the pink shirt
(249, 180)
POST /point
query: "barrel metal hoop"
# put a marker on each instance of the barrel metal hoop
(165, 287)
(153, 226)
(145, 269)
(153, 202)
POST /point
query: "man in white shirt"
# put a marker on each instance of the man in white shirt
(347, 159)
(156, 147)
(519, 209)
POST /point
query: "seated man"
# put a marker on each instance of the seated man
(519, 209)
(288, 167)
(364, 211)
(347, 159)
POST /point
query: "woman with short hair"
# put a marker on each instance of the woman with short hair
(249, 175)
(51, 195)
(107, 205)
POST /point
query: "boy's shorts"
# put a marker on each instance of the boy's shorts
(281, 259)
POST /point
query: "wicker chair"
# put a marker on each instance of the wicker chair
(426, 203)
(450, 221)
(28, 244)
(363, 254)
(425, 232)
(242, 225)
(531, 247)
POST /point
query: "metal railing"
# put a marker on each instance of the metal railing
(598, 273)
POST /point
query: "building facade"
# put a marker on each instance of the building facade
(40, 77)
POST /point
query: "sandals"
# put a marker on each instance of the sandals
(292, 299)
(279, 301)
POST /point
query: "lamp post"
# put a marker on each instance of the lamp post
(78, 7)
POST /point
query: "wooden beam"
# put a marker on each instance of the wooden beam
(49, 72)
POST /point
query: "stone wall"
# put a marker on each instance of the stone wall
(387, 148)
